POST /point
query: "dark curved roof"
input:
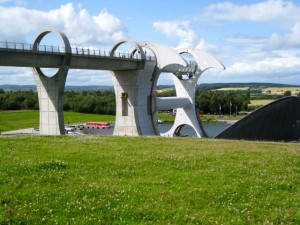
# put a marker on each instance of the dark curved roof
(277, 121)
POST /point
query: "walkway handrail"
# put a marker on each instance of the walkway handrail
(13, 46)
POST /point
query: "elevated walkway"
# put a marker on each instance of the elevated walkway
(24, 55)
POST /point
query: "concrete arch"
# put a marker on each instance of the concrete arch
(51, 89)
(125, 40)
(68, 51)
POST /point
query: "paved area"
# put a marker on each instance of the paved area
(21, 131)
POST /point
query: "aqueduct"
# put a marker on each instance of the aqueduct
(134, 75)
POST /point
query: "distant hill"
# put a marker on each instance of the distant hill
(255, 85)
(205, 86)
(9, 87)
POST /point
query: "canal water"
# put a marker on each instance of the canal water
(212, 129)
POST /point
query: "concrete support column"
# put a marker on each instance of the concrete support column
(133, 96)
(50, 93)
(51, 89)
(133, 99)
(124, 85)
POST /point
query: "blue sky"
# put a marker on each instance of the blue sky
(257, 41)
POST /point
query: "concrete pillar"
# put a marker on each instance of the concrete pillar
(133, 96)
(51, 89)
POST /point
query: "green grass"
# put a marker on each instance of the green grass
(147, 180)
(260, 102)
(214, 118)
(205, 118)
(14, 120)
(165, 117)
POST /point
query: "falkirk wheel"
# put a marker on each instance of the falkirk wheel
(136, 103)
(135, 79)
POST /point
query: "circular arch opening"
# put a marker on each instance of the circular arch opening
(55, 42)
(50, 43)
(127, 48)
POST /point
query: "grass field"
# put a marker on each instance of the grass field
(14, 120)
(205, 118)
(233, 89)
(258, 102)
(147, 180)
(281, 90)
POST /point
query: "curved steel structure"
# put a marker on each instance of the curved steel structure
(186, 88)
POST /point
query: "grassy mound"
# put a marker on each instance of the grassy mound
(147, 180)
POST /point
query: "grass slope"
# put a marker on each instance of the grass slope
(14, 120)
(147, 180)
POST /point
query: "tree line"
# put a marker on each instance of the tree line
(215, 102)
(97, 102)
(103, 102)
(18, 100)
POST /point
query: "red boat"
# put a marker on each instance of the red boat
(99, 124)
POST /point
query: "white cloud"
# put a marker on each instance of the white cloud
(16, 75)
(88, 77)
(207, 47)
(175, 29)
(24, 76)
(81, 28)
(278, 68)
(246, 40)
(272, 10)
(187, 37)
(291, 39)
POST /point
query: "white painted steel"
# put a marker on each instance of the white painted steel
(172, 102)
